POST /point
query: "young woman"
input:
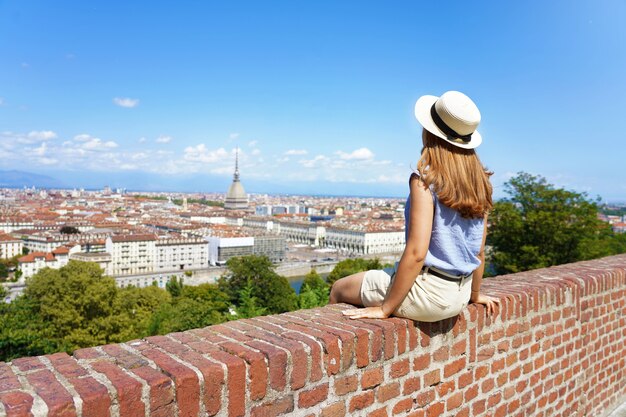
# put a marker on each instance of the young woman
(442, 265)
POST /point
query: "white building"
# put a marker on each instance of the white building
(9, 246)
(35, 261)
(221, 249)
(180, 254)
(131, 254)
(364, 243)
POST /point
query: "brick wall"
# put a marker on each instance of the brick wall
(556, 348)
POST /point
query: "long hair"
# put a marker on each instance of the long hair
(456, 175)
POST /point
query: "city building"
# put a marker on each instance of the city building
(35, 261)
(131, 254)
(236, 198)
(180, 254)
(9, 246)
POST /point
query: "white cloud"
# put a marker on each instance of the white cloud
(296, 152)
(233, 136)
(315, 162)
(90, 143)
(47, 161)
(201, 153)
(361, 154)
(255, 152)
(142, 140)
(11, 139)
(42, 135)
(253, 143)
(25, 65)
(164, 139)
(126, 102)
(41, 150)
(2, 103)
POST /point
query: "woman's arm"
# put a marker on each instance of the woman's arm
(477, 279)
(412, 260)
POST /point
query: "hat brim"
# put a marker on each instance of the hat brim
(422, 114)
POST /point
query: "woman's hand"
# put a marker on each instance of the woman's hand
(366, 313)
(489, 302)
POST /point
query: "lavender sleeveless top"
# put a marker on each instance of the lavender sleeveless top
(454, 242)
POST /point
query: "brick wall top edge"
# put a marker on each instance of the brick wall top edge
(266, 348)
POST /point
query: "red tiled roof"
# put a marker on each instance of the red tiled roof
(133, 238)
(33, 255)
(8, 238)
(61, 250)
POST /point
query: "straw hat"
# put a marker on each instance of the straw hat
(453, 117)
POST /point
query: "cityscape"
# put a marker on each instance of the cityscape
(145, 239)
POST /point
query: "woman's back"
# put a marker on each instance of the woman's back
(454, 242)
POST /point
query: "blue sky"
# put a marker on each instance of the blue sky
(317, 95)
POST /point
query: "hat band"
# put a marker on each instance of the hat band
(452, 135)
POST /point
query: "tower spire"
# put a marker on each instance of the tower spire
(236, 176)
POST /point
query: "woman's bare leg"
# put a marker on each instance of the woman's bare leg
(348, 290)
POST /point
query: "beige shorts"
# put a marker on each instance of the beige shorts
(429, 299)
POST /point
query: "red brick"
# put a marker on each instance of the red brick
(445, 387)
(274, 408)
(454, 367)
(372, 378)
(315, 353)
(296, 350)
(465, 379)
(56, 397)
(464, 412)
(459, 348)
(432, 378)
(185, 380)
(257, 367)
(487, 385)
(493, 400)
(471, 393)
(421, 362)
(277, 359)
(436, 409)
(334, 410)
(442, 354)
(332, 357)
(128, 389)
(479, 407)
(400, 368)
(235, 382)
(361, 401)
(387, 392)
(454, 401)
(411, 385)
(28, 364)
(381, 412)
(346, 384)
(8, 380)
(313, 396)
(425, 397)
(403, 406)
(16, 403)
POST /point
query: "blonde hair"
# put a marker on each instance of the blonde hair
(456, 175)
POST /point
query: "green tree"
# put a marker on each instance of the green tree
(540, 225)
(248, 305)
(3, 293)
(174, 286)
(352, 266)
(273, 291)
(4, 271)
(197, 306)
(69, 230)
(314, 291)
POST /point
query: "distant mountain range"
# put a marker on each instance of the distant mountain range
(19, 179)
